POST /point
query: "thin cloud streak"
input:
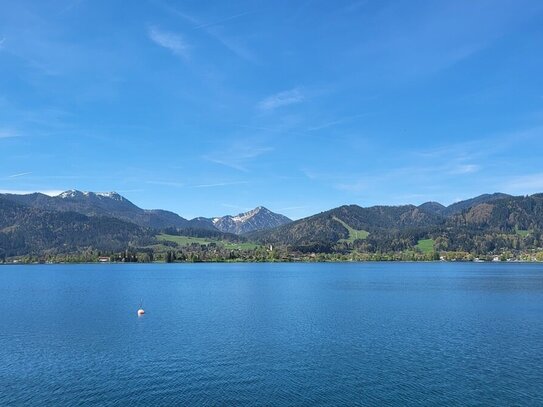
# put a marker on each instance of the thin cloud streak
(22, 174)
(237, 157)
(285, 98)
(5, 133)
(335, 122)
(230, 164)
(171, 41)
(221, 21)
(465, 169)
(485, 146)
(210, 29)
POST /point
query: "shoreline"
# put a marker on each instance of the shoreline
(271, 262)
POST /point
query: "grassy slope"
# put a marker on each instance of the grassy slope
(184, 240)
(425, 245)
(354, 234)
(187, 240)
(239, 246)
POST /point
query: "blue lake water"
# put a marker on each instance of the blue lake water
(272, 334)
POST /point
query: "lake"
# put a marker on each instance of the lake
(370, 334)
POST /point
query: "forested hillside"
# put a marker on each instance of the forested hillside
(26, 230)
(480, 225)
(488, 225)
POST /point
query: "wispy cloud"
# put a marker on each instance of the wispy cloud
(423, 177)
(22, 174)
(335, 122)
(7, 133)
(234, 45)
(2, 40)
(440, 41)
(285, 98)
(420, 175)
(222, 20)
(458, 158)
(465, 169)
(212, 29)
(171, 41)
(237, 156)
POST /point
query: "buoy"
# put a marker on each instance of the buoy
(140, 309)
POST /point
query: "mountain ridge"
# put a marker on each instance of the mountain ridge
(259, 218)
(109, 204)
(112, 204)
(75, 221)
(465, 225)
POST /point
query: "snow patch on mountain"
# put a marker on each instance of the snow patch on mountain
(73, 193)
(111, 195)
(259, 218)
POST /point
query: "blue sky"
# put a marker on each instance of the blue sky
(210, 108)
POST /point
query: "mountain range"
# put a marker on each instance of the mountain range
(333, 225)
(76, 220)
(113, 205)
(482, 224)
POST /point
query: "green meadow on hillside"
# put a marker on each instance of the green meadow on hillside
(188, 240)
(425, 245)
(354, 234)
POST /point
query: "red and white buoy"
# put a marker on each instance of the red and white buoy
(141, 311)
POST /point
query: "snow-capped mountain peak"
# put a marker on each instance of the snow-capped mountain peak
(74, 193)
(259, 218)
(111, 195)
